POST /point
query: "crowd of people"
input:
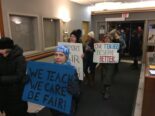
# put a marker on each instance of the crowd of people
(13, 69)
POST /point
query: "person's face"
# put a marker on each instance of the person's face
(122, 30)
(117, 36)
(139, 28)
(107, 40)
(60, 58)
(73, 39)
(4, 52)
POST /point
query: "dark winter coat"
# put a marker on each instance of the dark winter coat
(89, 49)
(73, 88)
(12, 76)
(88, 57)
(135, 46)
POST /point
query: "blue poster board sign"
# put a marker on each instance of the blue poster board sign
(47, 85)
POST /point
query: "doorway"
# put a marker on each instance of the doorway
(129, 27)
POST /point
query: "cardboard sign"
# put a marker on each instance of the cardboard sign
(76, 51)
(106, 53)
(47, 85)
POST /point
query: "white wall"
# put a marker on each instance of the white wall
(45, 8)
(79, 13)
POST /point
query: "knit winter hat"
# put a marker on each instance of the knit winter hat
(6, 43)
(91, 34)
(63, 49)
(77, 33)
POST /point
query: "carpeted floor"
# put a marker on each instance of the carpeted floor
(121, 102)
(123, 94)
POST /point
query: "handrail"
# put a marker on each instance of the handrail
(39, 55)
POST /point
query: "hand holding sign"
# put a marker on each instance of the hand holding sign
(106, 53)
(75, 56)
(47, 85)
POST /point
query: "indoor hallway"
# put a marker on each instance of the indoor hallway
(121, 102)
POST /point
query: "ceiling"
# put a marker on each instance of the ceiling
(88, 2)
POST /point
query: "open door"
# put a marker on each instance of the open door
(128, 27)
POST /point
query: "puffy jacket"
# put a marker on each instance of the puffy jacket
(12, 76)
(13, 67)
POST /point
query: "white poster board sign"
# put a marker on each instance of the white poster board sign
(76, 51)
(106, 53)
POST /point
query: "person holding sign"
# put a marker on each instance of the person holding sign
(12, 78)
(61, 57)
(107, 72)
(75, 36)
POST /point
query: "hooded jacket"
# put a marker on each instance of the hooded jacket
(12, 67)
(12, 76)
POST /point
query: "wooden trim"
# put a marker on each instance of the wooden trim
(39, 56)
(1, 21)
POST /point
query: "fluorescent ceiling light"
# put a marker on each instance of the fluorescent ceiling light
(115, 19)
(121, 6)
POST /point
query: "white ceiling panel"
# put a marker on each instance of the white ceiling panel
(87, 2)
